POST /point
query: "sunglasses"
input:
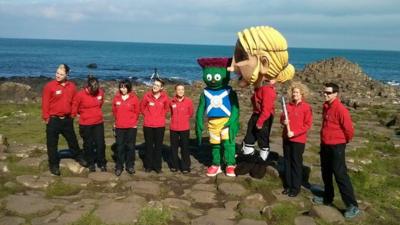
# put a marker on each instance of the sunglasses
(328, 92)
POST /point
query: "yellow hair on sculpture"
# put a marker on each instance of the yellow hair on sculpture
(268, 42)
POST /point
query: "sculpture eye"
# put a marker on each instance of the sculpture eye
(209, 77)
(217, 77)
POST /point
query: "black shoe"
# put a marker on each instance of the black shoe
(185, 171)
(285, 191)
(92, 168)
(158, 171)
(118, 172)
(147, 170)
(55, 171)
(103, 168)
(130, 170)
(81, 161)
(173, 170)
(293, 193)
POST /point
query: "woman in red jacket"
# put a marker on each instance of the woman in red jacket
(181, 111)
(87, 104)
(295, 136)
(154, 107)
(125, 108)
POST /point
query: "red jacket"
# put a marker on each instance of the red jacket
(57, 99)
(126, 112)
(88, 107)
(300, 121)
(337, 127)
(154, 110)
(181, 112)
(263, 101)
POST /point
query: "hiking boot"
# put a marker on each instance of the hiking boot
(230, 171)
(92, 168)
(130, 170)
(320, 201)
(351, 212)
(81, 161)
(212, 171)
(118, 172)
(55, 171)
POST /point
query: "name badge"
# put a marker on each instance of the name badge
(151, 103)
(174, 106)
(58, 92)
(118, 103)
(99, 97)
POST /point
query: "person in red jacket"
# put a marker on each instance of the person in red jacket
(87, 104)
(154, 107)
(125, 108)
(260, 122)
(181, 111)
(336, 131)
(294, 136)
(57, 99)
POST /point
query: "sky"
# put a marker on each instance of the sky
(343, 24)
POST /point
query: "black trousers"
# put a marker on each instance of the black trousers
(93, 143)
(153, 138)
(333, 163)
(260, 135)
(126, 143)
(54, 128)
(180, 139)
(293, 164)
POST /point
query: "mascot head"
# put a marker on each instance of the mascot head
(215, 73)
(261, 53)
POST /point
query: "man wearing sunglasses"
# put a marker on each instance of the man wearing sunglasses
(337, 130)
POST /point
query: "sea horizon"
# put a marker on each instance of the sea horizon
(117, 59)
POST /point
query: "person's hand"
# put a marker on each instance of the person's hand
(290, 134)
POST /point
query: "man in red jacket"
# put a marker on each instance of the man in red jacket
(57, 99)
(337, 130)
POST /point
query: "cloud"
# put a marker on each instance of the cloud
(194, 21)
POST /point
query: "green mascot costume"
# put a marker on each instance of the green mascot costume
(220, 103)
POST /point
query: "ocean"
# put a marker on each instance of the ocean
(114, 60)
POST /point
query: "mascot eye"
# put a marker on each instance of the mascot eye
(209, 77)
(217, 77)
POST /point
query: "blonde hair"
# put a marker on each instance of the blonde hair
(304, 90)
(266, 41)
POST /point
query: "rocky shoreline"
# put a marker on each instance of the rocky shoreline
(29, 194)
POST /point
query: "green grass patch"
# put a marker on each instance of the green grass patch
(154, 216)
(59, 188)
(284, 214)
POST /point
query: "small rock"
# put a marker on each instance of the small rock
(33, 162)
(211, 220)
(304, 220)
(234, 189)
(72, 166)
(222, 213)
(203, 196)
(175, 203)
(102, 176)
(251, 222)
(24, 205)
(113, 212)
(326, 213)
(31, 181)
(231, 205)
(272, 171)
(144, 187)
(12, 220)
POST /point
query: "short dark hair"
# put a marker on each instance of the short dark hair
(159, 80)
(65, 67)
(335, 87)
(125, 83)
(179, 84)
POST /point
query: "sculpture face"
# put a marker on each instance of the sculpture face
(216, 77)
(246, 66)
